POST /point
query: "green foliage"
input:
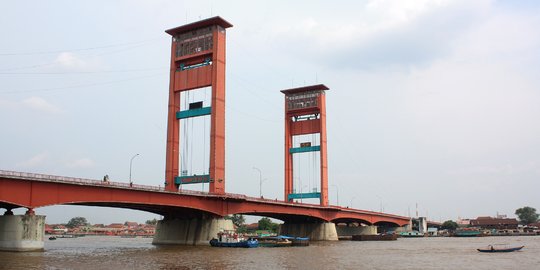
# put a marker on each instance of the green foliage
(237, 220)
(527, 215)
(242, 229)
(151, 222)
(267, 225)
(449, 225)
(77, 222)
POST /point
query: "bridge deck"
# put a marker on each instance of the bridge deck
(262, 203)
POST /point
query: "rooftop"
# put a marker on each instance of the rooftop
(199, 24)
(310, 88)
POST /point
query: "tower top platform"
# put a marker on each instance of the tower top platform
(199, 24)
(310, 88)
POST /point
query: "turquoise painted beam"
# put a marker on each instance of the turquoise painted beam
(304, 195)
(192, 179)
(304, 149)
(193, 113)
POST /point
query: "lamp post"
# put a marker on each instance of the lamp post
(352, 200)
(130, 166)
(337, 194)
(380, 201)
(302, 193)
(260, 180)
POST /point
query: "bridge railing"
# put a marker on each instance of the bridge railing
(74, 180)
(93, 182)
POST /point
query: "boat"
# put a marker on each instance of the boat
(52, 238)
(300, 242)
(249, 243)
(231, 239)
(411, 234)
(283, 241)
(374, 237)
(467, 233)
(275, 242)
(492, 249)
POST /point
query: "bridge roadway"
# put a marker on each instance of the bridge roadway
(31, 190)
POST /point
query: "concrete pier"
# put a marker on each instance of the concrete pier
(194, 231)
(356, 230)
(323, 231)
(22, 232)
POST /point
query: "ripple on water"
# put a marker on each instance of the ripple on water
(138, 253)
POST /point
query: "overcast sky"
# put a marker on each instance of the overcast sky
(435, 103)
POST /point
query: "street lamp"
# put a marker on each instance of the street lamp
(130, 166)
(352, 200)
(260, 180)
(380, 201)
(301, 193)
(337, 194)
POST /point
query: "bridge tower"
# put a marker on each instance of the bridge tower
(197, 61)
(305, 113)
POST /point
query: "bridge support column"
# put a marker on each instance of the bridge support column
(323, 231)
(196, 231)
(21, 232)
(346, 231)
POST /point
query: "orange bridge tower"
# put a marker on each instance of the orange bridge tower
(305, 113)
(197, 61)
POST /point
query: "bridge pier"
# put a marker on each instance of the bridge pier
(194, 231)
(356, 230)
(321, 231)
(21, 232)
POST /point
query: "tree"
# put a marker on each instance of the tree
(449, 225)
(151, 221)
(527, 215)
(267, 225)
(77, 222)
(237, 219)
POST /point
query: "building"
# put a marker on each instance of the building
(495, 223)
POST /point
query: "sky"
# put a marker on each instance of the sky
(433, 105)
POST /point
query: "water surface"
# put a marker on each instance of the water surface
(405, 253)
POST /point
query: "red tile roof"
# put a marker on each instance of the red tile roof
(485, 221)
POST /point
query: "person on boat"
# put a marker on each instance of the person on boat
(491, 247)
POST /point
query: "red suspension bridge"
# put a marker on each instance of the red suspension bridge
(190, 217)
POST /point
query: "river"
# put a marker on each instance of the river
(97, 252)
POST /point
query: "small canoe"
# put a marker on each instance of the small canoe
(491, 249)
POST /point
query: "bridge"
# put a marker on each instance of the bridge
(192, 217)
(31, 190)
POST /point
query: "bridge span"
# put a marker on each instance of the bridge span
(198, 60)
(31, 191)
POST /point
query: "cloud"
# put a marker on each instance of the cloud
(73, 62)
(381, 34)
(81, 163)
(40, 104)
(34, 161)
(505, 169)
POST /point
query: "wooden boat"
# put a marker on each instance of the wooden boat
(300, 242)
(492, 249)
(250, 243)
(283, 241)
(52, 238)
(375, 237)
(467, 233)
